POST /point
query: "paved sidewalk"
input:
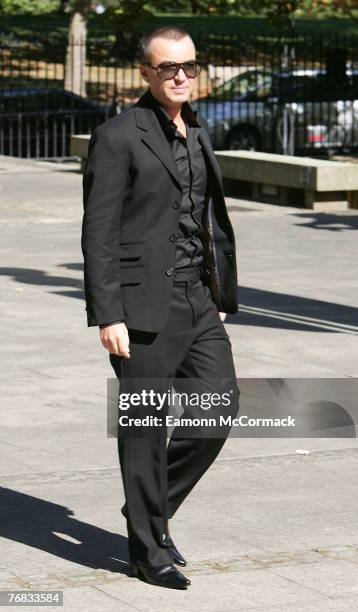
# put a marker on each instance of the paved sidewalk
(266, 529)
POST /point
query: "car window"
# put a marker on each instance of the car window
(60, 100)
(316, 88)
(267, 88)
(256, 86)
(29, 102)
(242, 84)
(41, 101)
(23, 102)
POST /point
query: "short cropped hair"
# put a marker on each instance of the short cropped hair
(168, 32)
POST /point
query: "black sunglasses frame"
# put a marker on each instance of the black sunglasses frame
(177, 68)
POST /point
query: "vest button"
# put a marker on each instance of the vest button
(173, 238)
(175, 204)
(169, 271)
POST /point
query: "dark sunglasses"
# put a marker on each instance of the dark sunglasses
(168, 70)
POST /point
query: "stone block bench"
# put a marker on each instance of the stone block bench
(312, 183)
(79, 147)
(317, 184)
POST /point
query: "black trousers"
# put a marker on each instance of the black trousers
(158, 476)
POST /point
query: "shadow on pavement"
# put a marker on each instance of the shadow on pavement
(39, 523)
(258, 308)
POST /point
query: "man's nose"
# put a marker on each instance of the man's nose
(180, 74)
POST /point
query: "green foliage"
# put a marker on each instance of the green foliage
(130, 11)
(283, 10)
(129, 14)
(34, 7)
(276, 11)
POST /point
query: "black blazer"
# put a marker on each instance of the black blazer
(131, 200)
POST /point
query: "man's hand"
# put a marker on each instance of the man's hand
(115, 339)
(222, 315)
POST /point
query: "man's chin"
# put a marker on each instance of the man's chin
(179, 96)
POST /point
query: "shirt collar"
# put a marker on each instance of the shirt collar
(188, 113)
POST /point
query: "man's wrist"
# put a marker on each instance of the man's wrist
(111, 323)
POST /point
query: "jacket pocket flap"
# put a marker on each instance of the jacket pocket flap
(131, 251)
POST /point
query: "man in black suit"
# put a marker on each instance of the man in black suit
(160, 276)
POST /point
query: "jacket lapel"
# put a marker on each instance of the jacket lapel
(156, 141)
(154, 137)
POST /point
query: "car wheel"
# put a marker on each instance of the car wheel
(243, 138)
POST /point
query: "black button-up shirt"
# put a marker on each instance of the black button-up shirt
(192, 171)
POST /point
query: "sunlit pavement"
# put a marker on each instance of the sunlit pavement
(267, 528)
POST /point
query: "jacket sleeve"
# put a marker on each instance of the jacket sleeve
(104, 183)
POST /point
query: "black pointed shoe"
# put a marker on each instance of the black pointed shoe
(177, 557)
(167, 543)
(167, 576)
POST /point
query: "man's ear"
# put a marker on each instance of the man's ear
(143, 72)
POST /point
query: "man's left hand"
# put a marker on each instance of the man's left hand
(222, 315)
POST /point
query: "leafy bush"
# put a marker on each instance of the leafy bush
(34, 7)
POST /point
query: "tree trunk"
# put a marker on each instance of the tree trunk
(194, 7)
(76, 55)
